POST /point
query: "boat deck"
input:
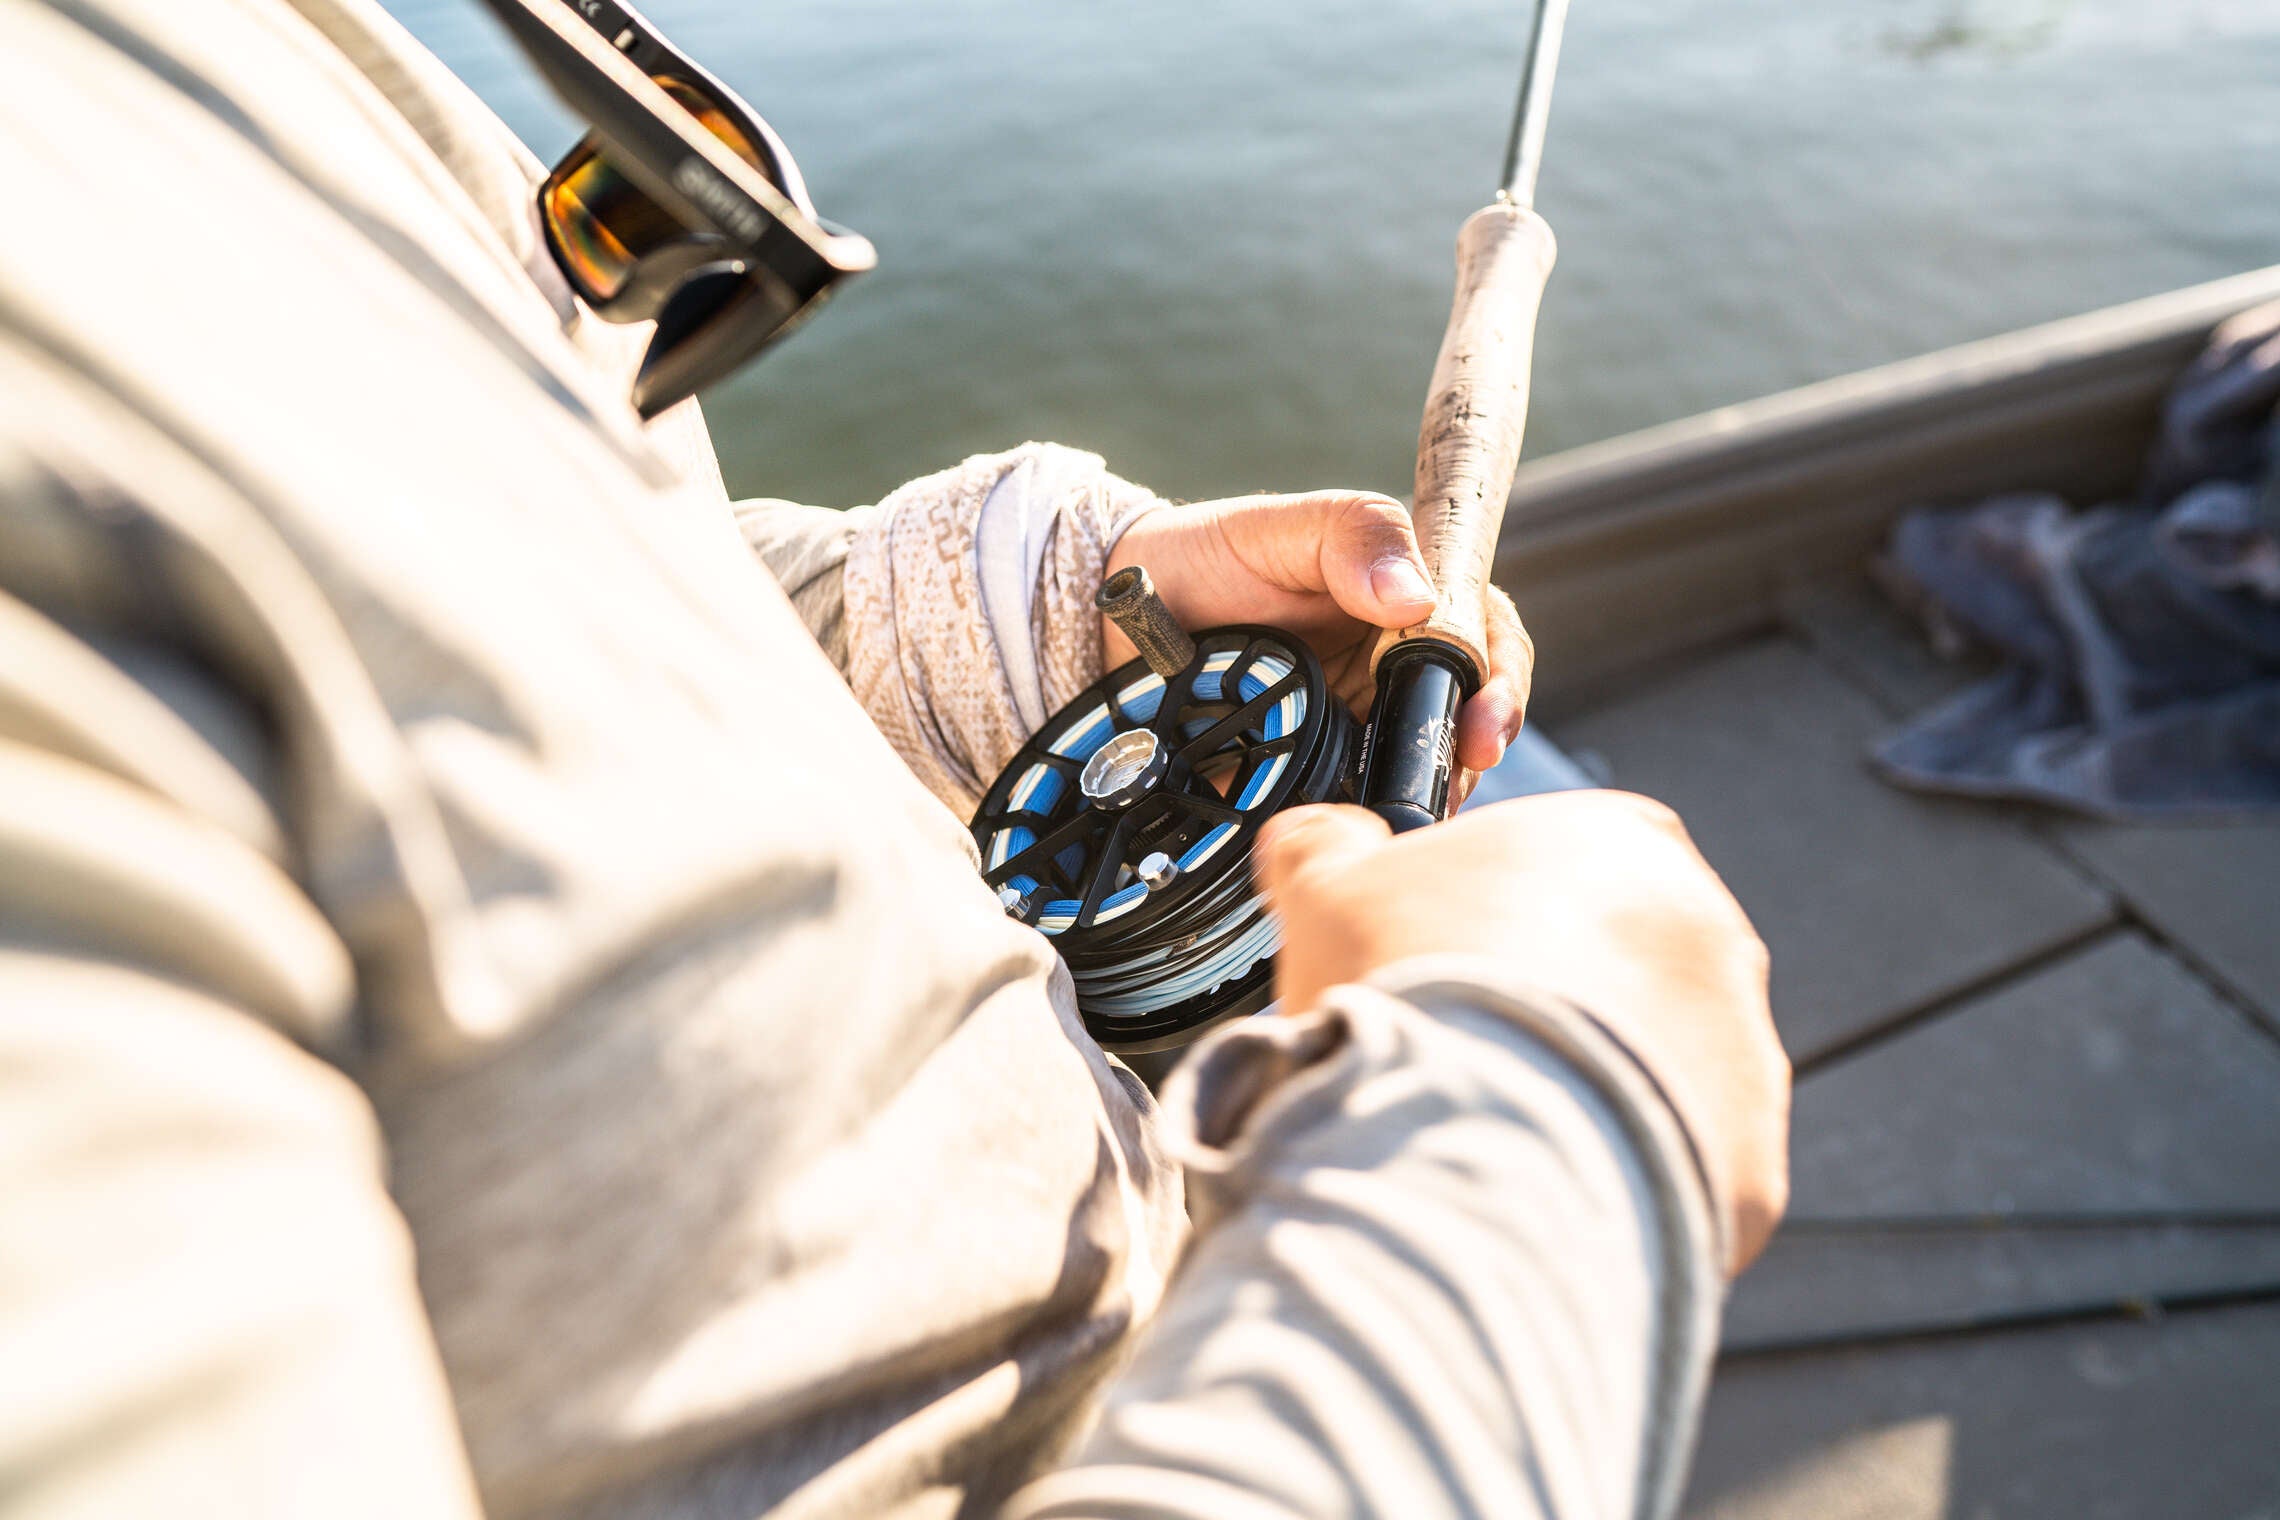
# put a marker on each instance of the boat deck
(2032, 1265)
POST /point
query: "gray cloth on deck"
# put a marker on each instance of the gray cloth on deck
(488, 1024)
(2142, 642)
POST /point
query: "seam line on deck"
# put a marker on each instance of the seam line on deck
(2219, 985)
(1838, 662)
(2027, 1223)
(2144, 1310)
(1948, 1002)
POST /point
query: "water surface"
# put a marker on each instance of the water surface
(1212, 242)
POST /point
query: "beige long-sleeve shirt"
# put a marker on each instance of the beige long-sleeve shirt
(491, 1015)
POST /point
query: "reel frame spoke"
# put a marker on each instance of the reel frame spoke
(1208, 810)
(1043, 856)
(1103, 875)
(1208, 743)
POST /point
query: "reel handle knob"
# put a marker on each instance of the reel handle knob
(1129, 598)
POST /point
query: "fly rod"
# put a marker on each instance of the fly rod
(1467, 449)
(1123, 829)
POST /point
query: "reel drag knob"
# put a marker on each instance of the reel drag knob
(1125, 769)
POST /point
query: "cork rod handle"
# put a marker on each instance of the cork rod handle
(1475, 412)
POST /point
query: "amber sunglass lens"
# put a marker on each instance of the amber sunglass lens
(604, 223)
(713, 119)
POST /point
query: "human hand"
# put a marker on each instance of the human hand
(1332, 567)
(1597, 897)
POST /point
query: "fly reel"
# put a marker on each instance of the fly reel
(1123, 828)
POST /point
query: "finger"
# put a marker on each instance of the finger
(1301, 838)
(1491, 719)
(1461, 783)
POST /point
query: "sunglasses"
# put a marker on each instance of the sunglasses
(679, 205)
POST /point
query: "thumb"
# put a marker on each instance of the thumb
(1370, 563)
(1356, 545)
(1305, 837)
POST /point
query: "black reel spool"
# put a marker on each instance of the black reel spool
(1123, 829)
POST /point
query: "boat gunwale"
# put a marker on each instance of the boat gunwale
(1638, 548)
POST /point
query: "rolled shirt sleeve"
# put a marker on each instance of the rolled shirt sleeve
(1454, 1256)
(959, 609)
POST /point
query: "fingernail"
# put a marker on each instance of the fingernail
(1399, 581)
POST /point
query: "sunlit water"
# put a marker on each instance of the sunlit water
(1213, 242)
